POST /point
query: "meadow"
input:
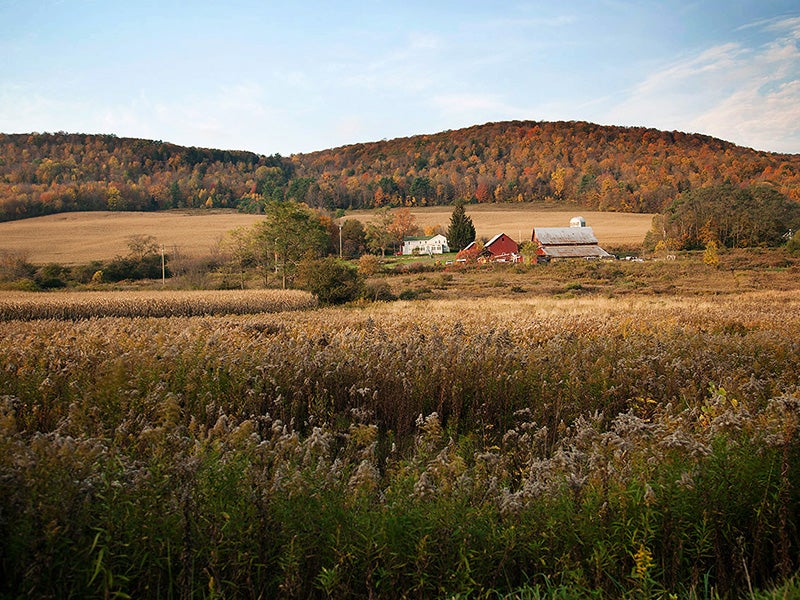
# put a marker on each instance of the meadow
(558, 443)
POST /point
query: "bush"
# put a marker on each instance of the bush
(147, 267)
(332, 281)
(14, 266)
(369, 265)
(378, 292)
(793, 245)
(51, 276)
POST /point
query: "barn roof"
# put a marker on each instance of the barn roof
(575, 251)
(565, 236)
(494, 239)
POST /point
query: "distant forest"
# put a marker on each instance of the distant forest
(599, 167)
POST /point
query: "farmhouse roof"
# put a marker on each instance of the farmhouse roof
(421, 238)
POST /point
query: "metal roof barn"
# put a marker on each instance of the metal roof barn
(567, 242)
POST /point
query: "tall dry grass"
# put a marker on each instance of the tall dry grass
(635, 447)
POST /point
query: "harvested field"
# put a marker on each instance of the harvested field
(80, 238)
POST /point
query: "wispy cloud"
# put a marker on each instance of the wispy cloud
(748, 94)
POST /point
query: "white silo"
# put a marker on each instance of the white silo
(577, 222)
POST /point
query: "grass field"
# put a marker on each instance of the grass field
(79, 238)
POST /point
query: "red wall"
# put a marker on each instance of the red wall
(503, 245)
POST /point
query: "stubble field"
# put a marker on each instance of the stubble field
(559, 443)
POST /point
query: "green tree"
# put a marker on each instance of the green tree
(421, 188)
(461, 231)
(331, 280)
(735, 217)
(354, 238)
(793, 245)
(239, 245)
(289, 233)
(378, 234)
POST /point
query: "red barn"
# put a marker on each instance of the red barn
(501, 248)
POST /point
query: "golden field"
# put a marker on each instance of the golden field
(79, 238)
(518, 221)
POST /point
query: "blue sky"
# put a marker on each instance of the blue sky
(286, 77)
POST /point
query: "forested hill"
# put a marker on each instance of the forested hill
(603, 167)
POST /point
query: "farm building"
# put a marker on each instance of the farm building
(500, 248)
(575, 241)
(434, 244)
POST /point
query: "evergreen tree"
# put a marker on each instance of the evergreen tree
(461, 231)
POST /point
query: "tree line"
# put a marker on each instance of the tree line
(600, 167)
(728, 216)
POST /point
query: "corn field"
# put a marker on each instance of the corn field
(544, 447)
(84, 305)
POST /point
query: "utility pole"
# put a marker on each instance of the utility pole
(163, 268)
(340, 240)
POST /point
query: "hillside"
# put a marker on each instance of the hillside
(600, 167)
(605, 168)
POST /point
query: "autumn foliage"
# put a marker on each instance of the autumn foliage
(602, 167)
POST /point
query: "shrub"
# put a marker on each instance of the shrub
(51, 276)
(369, 265)
(408, 294)
(378, 291)
(331, 280)
(15, 266)
(793, 245)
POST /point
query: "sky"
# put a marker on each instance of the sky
(291, 77)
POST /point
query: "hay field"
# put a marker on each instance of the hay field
(79, 238)
(518, 221)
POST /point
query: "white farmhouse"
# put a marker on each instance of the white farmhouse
(435, 244)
